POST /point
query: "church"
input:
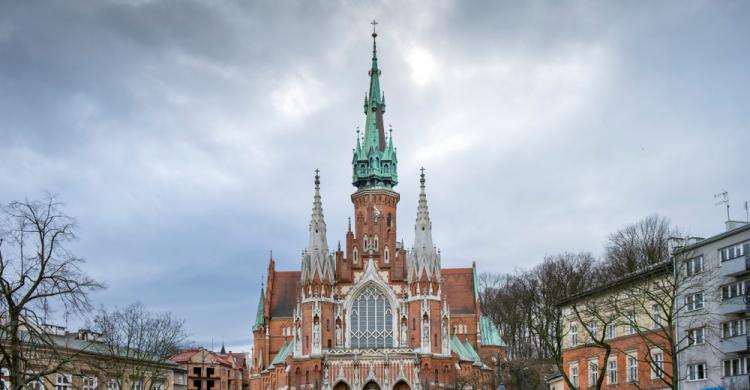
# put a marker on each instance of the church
(374, 314)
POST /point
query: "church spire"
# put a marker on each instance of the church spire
(423, 259)
(371, 168)
(316, 260)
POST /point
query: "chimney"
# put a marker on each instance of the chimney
(731, 225)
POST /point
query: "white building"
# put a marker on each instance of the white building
(713, 304)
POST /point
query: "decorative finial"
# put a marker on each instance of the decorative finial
(421, 178)
(271, 254)
(374, 23)
(317, 179)
(350, 223)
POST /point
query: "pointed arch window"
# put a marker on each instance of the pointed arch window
(386, 255)
(376, 242)
(355, 255)
(371, 320)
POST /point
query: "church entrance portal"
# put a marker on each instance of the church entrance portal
(372, 386)
(401, 385)
(341, 386)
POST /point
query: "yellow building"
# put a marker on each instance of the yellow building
(621, 331)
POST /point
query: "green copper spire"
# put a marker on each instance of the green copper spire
(259, 320)
(374, 162)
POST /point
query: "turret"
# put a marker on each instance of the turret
(423, 261)
(318, 265)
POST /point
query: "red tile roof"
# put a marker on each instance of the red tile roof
(284, 294)
(459, 288)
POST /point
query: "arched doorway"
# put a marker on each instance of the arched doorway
(401, 385)
(341, 386)
(371, 385)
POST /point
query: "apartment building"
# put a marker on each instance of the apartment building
(623, 318)
(715, 348)
(87, 363)
(208, 370)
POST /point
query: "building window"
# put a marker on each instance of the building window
(632, 360)
(4, 383)
(34, 385)
(63, 381)
(694, 301)
(89, 383)
(611, 330)
(656, 314)
(593, 372)
(697, 336)
(371, 320)
(612, 371)
(573, 335)
(197, 384)
(696, 371)
(734, 251)
(386, 255)
(631, 325)
(592, 330)
(733, 328)
(574, 373)
(694, 266)
(355, 255)
(657, 364)
(733, 290)
(735, 367)
(376, 242)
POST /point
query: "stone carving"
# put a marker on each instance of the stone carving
(339, 340)
(316, 333)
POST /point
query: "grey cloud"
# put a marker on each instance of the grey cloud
(183, 135)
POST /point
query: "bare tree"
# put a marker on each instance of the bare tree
(638, 245)
(137, 342)
(37, 273)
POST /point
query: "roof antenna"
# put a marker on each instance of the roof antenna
(723, 199)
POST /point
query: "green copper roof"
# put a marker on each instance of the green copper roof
(472, 352)
(489, 332)
(259, 320)
(464, 350)
(374, 162)
(280, 357)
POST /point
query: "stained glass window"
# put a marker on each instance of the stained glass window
(372, 320)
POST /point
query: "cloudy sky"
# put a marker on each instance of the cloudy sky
(183, 135)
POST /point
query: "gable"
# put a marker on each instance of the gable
(459, 289)
(284, 294)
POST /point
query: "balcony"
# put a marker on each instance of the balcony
(733, 306)
(735, 267)
(736, 382)
(735, 344)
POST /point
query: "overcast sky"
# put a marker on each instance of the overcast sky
(183, 135)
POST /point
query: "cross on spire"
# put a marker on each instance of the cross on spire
(374, 23)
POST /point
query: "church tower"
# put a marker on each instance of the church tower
(371, 315)
(374, 174)
(315, 310)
